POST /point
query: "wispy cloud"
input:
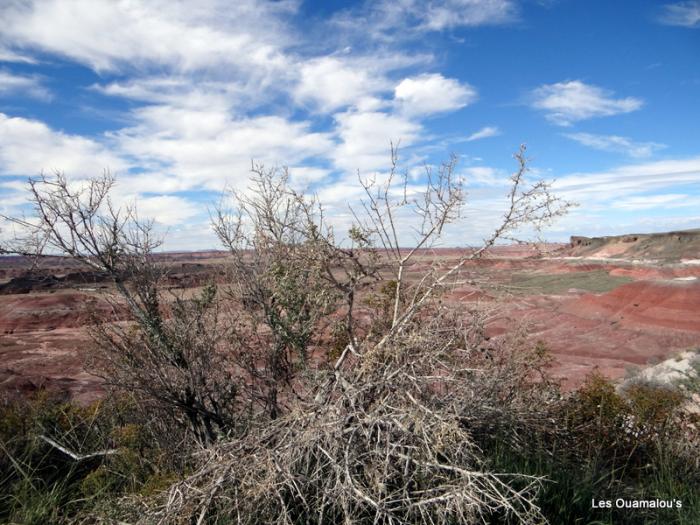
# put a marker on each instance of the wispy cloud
(567, 102)
(684, 14)
(665, 200)
(484, 133)
(390, 21)
(11, 84)
(446, 14)
(177, 90)
(616, 144)
(606, 188)
(484, 176)
(12, 56)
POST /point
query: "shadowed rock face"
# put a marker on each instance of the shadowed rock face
(36, 282)
(670, 246)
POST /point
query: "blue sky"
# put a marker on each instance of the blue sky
(177, 98)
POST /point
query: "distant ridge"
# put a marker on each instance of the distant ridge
(674, 246)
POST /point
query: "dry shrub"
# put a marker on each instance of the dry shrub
(389, 435)
(389, 441)
(182, 370)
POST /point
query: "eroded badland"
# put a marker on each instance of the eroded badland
(616, 304)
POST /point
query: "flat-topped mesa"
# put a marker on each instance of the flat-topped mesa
(670, 246)
(579, 240)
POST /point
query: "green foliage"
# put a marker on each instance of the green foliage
(41, 484)
(652, 405)
(602, 444)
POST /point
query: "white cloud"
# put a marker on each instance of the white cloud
(432, 93)
(484, 176)
(28, 147)
(571, 101)
(615, 143)
(684, 14)
(208, 148)
(167, 210)
(118, 34)
(447, 14)
(630, 198)
(484, 133)
(178, 91)
(365, 138)
(664, 201)
(7, 55)
(219, 84)
(208, 75)
(11, 84)
(333, 83)
(13, 195)
(302, 176)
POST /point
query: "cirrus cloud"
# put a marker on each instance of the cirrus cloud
(615, 143)
(12, 84)
(684, 14)
(567, 102)
(484, 133)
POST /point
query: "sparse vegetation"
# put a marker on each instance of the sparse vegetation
(597, 281)
(315, 383)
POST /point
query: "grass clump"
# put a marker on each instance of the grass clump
(115, 454)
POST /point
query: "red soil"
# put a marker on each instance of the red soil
(43, 343)
(47, 359)
(631, 326)
(30, 312)
(671, 305)
(43, 339)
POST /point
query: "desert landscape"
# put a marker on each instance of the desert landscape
(361, 262)
(615, 304)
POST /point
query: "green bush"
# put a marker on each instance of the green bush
(604, 444)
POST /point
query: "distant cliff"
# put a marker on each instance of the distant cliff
(668, 246)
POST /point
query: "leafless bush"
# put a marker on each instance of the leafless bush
(439, 204)
(168, 353)
(388, 436)
(286, 276)
(392, 444)
(385, 435)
